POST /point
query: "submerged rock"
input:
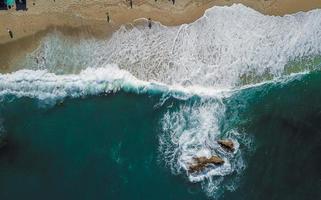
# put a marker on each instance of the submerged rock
(226, 144)
(202, 162)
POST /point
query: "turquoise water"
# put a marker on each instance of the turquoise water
(107, 147)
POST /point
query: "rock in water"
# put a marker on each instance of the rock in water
(202, 162)
(226, 144)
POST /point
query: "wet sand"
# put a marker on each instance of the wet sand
(12, 52)
(88, 19)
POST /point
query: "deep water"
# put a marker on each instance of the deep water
(285, 120)
(107, 147)
(102, 147)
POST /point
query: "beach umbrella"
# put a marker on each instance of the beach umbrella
(9, 2)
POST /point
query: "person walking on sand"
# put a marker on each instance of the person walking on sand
(10, 33)
(149, 23)
(108, 18)
(131, 3)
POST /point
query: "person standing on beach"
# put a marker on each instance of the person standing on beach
(108, 18)
(149, 23)
(10, 33)
(131, 3)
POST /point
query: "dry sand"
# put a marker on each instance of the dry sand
(87, 18)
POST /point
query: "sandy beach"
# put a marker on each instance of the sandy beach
(87, 18)
(92, 14)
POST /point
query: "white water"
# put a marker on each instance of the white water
(207, 58)
(50, 87)
(223, 45)
(216, 50)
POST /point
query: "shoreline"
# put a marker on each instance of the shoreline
(12, 52)
(88, 19)
(93, 14)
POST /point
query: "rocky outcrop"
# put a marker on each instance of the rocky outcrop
(202, 162)
(226, 144)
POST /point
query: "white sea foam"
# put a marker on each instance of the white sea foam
(43, 85)
(192, 131)
(207, 58)
(216, 50)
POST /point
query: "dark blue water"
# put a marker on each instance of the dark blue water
(285, 120)
(107, 147)
(94, 148)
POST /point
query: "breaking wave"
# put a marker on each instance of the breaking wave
(50, 87)
(210, 57)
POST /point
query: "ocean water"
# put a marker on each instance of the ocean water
(124, 118)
